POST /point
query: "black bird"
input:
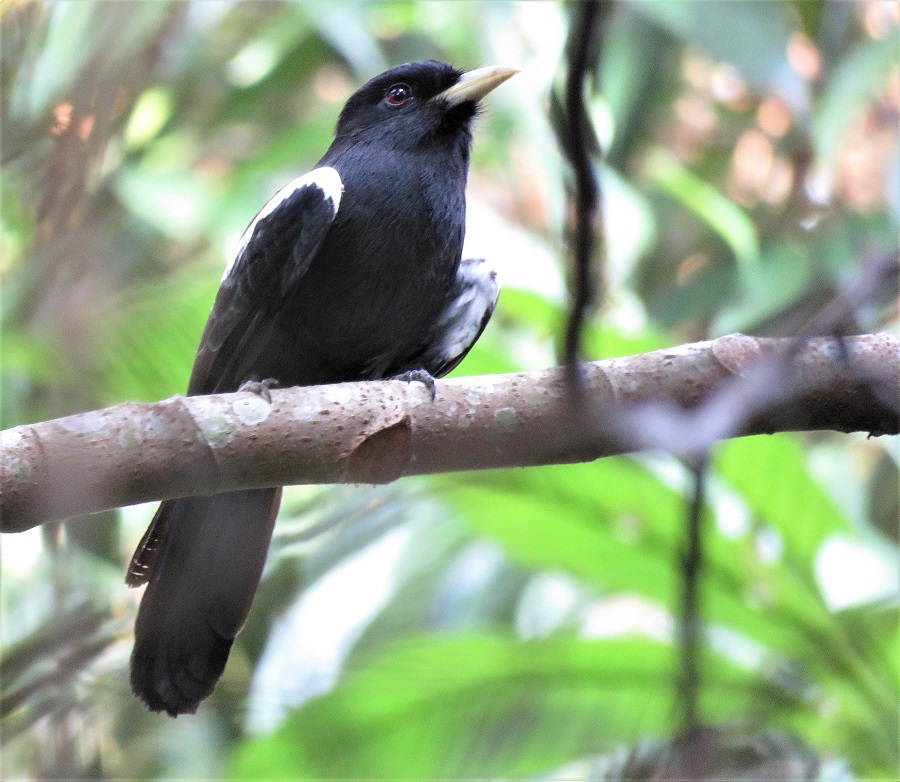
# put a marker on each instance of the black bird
(351, 272)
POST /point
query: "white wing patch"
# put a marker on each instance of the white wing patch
(325, 179)
(464, 318)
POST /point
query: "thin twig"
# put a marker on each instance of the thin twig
(578, 137)
(691, 613)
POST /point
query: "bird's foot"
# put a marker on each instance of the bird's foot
(422, 376)
(260, 387)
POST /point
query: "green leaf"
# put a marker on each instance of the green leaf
(150, 113)
(810, 13)
(175, 202)
(883, 501)
(638, 72)
(718, 212)
(772, 477)
(591, 538)
(82, 31)
(856, 82)
(484, 706)
(767, 288)
(616, 526)
(753, 36)
(148, 357)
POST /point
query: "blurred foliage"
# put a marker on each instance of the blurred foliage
(503, 624)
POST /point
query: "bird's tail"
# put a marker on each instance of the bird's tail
(201, 559)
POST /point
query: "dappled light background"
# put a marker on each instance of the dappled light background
(518, 623)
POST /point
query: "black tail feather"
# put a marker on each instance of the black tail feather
(207, 561)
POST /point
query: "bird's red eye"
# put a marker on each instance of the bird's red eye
(398, 94)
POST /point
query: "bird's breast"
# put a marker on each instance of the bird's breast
(386, 269)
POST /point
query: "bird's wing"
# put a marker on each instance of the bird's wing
(272, 255)
(459, 327)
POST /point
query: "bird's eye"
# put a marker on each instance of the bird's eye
(398, 94)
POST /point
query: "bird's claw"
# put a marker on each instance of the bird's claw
(260, 387)
(422, 376)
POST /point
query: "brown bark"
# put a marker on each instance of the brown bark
(681, 399)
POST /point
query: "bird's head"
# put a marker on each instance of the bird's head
(418, 100)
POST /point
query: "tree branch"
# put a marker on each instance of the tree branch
(375, 432)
